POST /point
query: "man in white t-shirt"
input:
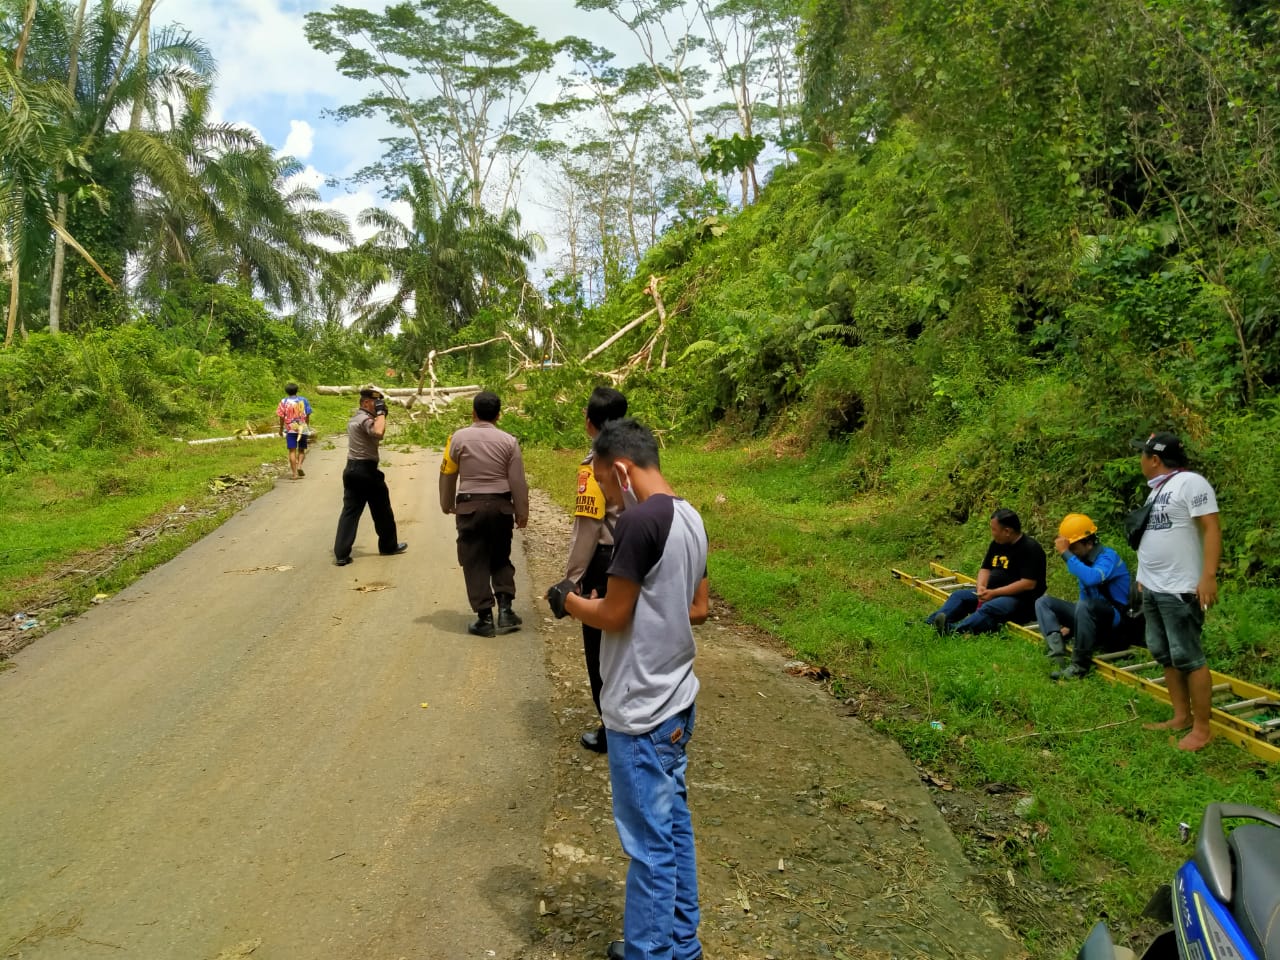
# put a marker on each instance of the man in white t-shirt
(1177, 574)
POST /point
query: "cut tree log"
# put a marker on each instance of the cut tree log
(238, 436)
(331, 391)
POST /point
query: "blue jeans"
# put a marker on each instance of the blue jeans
(651, 810)
(1088, 620)
(961, 613)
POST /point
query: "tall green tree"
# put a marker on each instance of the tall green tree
(115, 62)
(669, 43)
(641, 150)
(752, 41)
(453, 77)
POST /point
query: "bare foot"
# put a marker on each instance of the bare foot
(1171, 724)
(1193, 741)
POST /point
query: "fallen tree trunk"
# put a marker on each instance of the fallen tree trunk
(621, 333)
(237, 436)
(338, 391)
(429, 365)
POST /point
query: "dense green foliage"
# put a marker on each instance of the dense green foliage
(137, 385)
(1024, 234)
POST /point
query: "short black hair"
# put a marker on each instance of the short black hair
(1007, 519)
(487, 405)
(291, 389)
(605, 404)
(626, 438)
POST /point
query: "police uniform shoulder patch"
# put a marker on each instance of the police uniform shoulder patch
(589, 498)
(448, 465)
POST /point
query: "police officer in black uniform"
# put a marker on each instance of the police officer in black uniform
(363, 483)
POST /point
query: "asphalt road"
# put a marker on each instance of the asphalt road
(252, 752)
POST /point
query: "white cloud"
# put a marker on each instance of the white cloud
(261, 49)
(300, 141)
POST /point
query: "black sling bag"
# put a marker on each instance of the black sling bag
(1135, 522)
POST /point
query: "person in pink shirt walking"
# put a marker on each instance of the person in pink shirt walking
(294, 414)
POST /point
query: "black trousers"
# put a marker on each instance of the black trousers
(364, 484)
(484, 551)
(595, 578)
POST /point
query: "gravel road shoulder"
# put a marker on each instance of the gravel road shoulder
(816, 836)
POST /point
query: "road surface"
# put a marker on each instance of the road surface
(252, 752)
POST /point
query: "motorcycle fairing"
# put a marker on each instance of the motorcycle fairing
(1206, 929)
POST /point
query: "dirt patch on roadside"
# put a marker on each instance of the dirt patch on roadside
(816, 836)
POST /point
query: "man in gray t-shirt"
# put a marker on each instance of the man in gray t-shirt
(657, 589)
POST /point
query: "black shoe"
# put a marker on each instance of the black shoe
(508, 622)
(341, 561)
(596, 740)
(483, 625)
(941, 626)
(400, 548)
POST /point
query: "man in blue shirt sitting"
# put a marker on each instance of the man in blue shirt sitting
(1104, 594)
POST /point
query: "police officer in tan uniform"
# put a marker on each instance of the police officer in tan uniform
(363, 484)
(482, 481)
(591, 545)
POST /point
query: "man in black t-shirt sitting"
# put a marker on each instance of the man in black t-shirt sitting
(1012, 578)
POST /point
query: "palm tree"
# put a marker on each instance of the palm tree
(32, 137)
(450, 261)
(105, 74)
(269, 224)
(63, 169)
(230, 211)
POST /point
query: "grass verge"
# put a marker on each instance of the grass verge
(93, 521)
(795, 554)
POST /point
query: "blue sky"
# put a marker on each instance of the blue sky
(271, 79)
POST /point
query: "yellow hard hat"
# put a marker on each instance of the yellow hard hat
(1076, 526)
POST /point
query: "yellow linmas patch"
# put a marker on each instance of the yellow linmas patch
(589, 501)
(448, 465)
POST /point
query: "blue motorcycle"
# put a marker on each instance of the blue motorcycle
(1223, 904)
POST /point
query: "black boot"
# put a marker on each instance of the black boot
(508, 622)
(483, 627)
(595, 740)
